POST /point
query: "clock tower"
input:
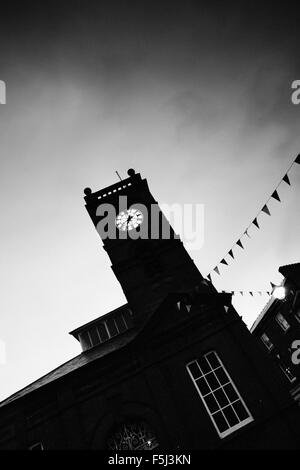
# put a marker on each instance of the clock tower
(147, 256)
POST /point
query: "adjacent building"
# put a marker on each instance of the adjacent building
(278, 327)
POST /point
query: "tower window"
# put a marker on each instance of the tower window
(267, 342)
(219, 395)
(282, 322)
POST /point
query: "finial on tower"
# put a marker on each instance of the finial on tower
(131, 172)
(87, 191)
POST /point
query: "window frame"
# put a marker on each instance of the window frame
(240, 424)
(284, 368)
(281, 323)
(265, 344)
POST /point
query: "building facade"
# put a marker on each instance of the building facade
(278, 327)
(174, 368)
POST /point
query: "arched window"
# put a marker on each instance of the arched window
(132, 436)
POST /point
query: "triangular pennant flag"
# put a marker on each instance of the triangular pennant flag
(216, 269)
(266, 210)
(251, 293)
(255, 222)
(297, 159)
(209, 277)
(276, 196)
(246, 233)
(224, 262)
(226, 308)
(286, 179)
(231, 254)
(239, 243)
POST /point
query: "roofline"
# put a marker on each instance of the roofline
(10, 398)
(263, 313)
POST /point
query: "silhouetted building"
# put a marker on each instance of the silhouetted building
(173, 368)
(278, 327)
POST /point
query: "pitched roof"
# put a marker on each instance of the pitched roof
(77, 362)
(116, 343)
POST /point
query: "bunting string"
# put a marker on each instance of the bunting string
(264, 209)
(252, 293)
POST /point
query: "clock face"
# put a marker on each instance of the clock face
(129, 219)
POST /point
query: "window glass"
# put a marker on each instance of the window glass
(267, 342)
(218, 393)
(282, 321)
(287, 371)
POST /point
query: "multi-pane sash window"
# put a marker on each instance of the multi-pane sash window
(220, 396)
(282, 321)
(267, 342)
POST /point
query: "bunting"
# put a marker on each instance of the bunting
(239, 243)
(252, 293)
(265, 209)
(276, 196)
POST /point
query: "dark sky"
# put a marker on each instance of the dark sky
(194, 95)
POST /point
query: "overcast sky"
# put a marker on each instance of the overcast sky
(196, 96)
